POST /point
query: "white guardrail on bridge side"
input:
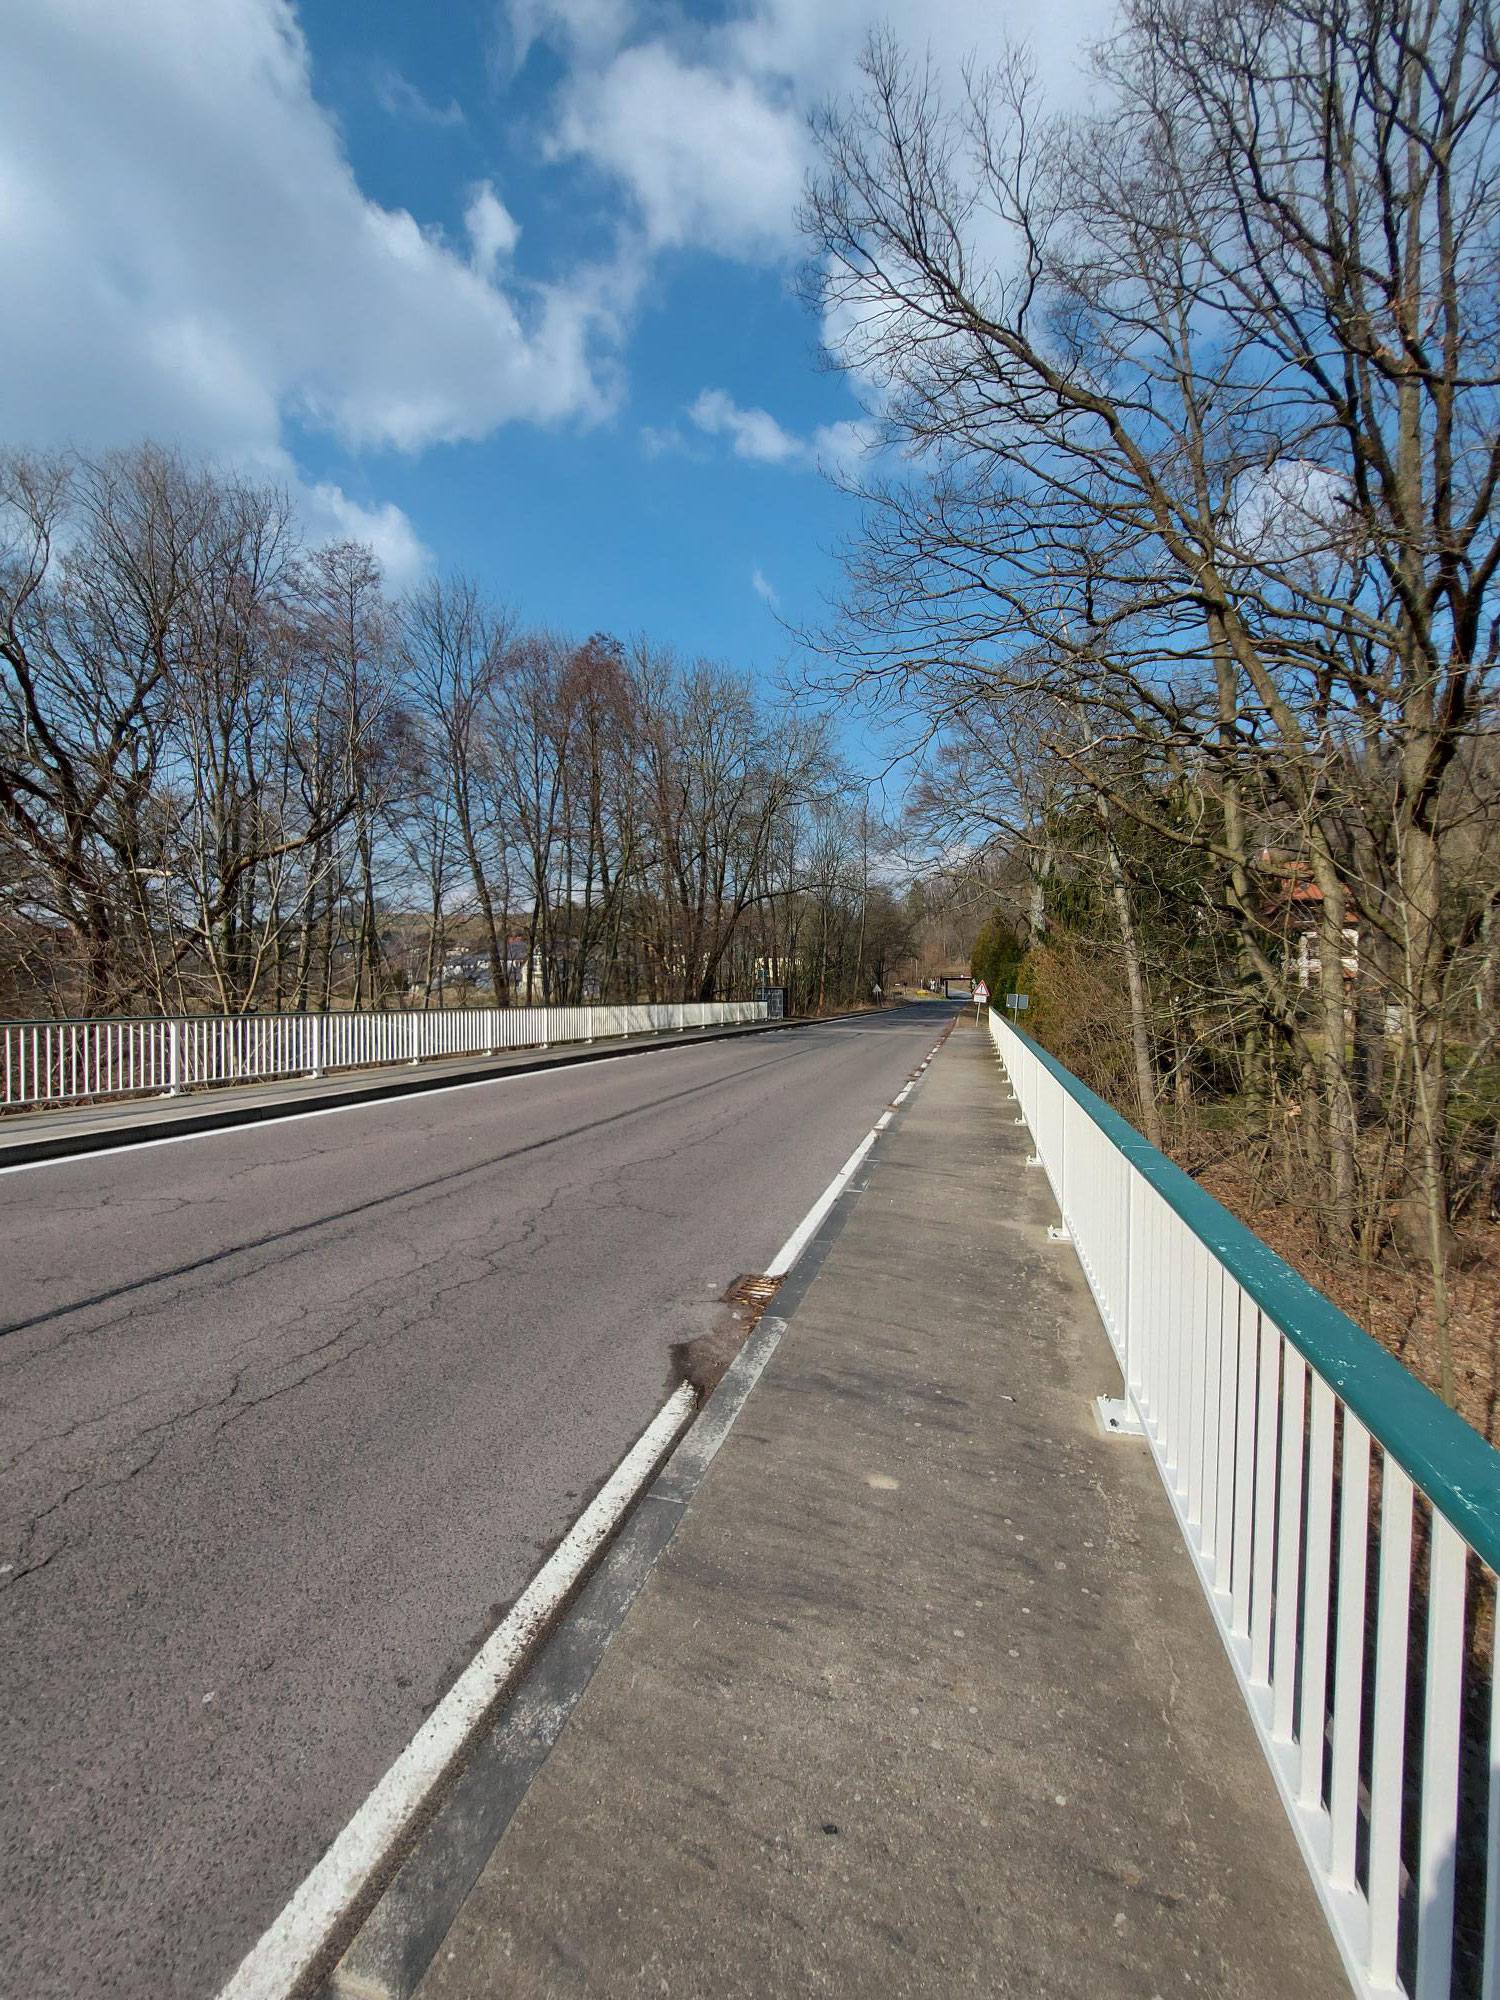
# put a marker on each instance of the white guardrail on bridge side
(1345, 1525)
(62, 1062)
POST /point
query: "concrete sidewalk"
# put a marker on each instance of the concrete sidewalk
(923, 1696)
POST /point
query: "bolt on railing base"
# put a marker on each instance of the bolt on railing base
(1058, 1232)
(1116, 1419)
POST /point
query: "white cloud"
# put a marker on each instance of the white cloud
(185, 253)
(837, 449)
(591, 27)
(754, 434)
(329, 515)
(711, 159)
(842, 449)
(663, 441)
(705, 128)
(493, 230)
(398, 96)
(764, 590)
(1292, 510)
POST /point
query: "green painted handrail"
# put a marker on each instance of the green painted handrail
(1445, 1456)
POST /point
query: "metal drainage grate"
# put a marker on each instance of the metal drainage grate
(750, 1294)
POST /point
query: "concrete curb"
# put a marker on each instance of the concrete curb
(399, 1937)
(359, 1088)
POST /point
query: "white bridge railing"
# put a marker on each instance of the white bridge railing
(61, 1062)
(1345, 1525)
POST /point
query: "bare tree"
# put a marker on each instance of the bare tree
(1199, 400)
(453, 648)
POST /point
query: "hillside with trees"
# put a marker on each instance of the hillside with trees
(1187, 563)
(238, 775)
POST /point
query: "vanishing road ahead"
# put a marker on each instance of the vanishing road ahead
(289, 1414)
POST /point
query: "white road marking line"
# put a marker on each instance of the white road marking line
(800, 1237)
(273, 1968)
(284, 1954)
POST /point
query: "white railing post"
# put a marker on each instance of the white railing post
(174, 1059)
(1117, 1414)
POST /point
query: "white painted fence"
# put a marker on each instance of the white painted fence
(1345, 1526)
(61, 1062)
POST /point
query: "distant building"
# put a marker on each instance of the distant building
(1299, 902)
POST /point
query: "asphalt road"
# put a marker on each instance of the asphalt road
(289, 1415)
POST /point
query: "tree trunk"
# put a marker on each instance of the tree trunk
(1135, 983)
(1337, 1103)
(1371, 991)
(1421, 891)
(481, 888)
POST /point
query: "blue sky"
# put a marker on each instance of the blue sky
(501, 284)
(642, 520)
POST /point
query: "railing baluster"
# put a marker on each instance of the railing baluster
(1197, 1441)
(1263, 1544)
(1349, 1653)
(1165, 1285)
(1440, 1747)
(1174, 1319)
(1156, 1321)
(1286, 1593)
(1229, 1365)
(1490, 1990)
(1311, 1725)
(1160, 1320)
(1387, 1763)
(1244, 1468)
(1133, 1282)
